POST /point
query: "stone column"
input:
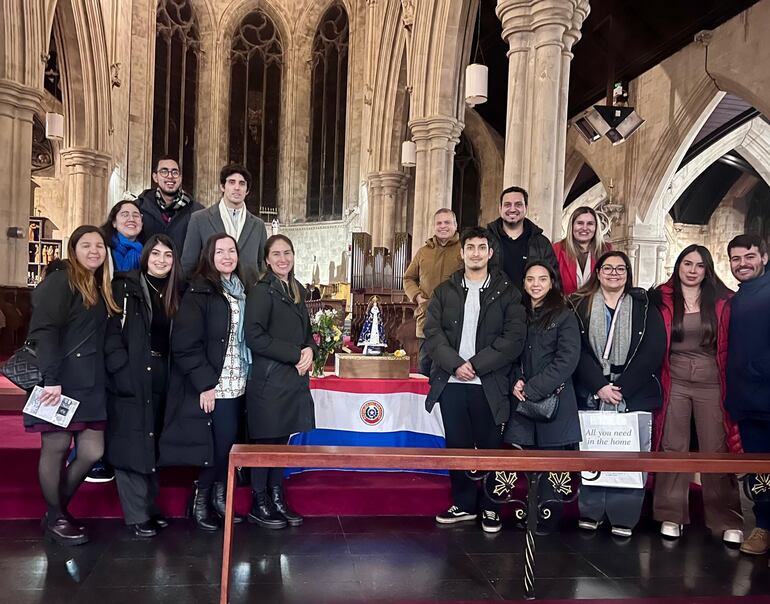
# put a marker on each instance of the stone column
(386, 195)
(86, 174)
(540, 36)
(436, 138)
(17, 106)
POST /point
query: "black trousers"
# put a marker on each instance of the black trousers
(137, 493)
(263, 478)
(424, 360)
(225, 425)
(468, 424)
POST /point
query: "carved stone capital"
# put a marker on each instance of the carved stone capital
(552, 21)
(440, 129)
(16, 99)
(387, 183)
(89, 161)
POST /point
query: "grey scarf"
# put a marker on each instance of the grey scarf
(599, 328)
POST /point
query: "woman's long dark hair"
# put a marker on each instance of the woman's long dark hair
(292, 281)
(171, 291)
(553, 303)
(593, 285)
(711, 289)
(206, 269)
(110, 231)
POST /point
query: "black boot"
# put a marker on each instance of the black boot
(218, 503)
(276, 494)
(200, 509)
(263, 513)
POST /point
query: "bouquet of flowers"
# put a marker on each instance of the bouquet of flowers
(327, 336)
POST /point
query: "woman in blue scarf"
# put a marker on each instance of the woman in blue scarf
(123, 230)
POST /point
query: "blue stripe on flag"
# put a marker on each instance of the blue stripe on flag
(348, 438)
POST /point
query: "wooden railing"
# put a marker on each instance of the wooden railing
(533, 462)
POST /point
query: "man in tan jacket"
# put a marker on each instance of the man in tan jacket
(433, 263)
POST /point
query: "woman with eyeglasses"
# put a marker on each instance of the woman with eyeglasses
(623, 343)
(123, 229)
(695, 305)
(578, 251)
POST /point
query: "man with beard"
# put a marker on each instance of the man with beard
(748, 364)
(229, 216)
(515, 239)
(166, 209)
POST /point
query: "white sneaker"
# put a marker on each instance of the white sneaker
(671, 530)
(589, 525)
(622, 531)
(734, 536)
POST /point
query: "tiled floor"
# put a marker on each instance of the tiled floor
(365, 560)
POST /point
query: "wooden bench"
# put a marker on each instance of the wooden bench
(532, 462)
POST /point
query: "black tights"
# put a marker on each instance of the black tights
(225, 424)
(58, 489)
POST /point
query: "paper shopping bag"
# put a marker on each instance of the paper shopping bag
(613, 431)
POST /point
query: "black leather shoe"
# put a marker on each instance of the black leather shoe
(200, 510)
(264, 514)
(218, 503)
(144, 529)
(63, 532)
(276, 494)
(160, 522)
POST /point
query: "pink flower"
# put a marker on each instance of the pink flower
(317, 339)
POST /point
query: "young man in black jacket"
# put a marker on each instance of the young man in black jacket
(748, 364)
(474, 330)
(516, 240)
(166, 209)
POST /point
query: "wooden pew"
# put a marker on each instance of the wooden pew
(532, 462)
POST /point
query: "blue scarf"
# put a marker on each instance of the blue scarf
(234, 288)
(125, 253)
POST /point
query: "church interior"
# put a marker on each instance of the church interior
(358, 119)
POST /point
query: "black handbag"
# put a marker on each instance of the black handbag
(22, 369)
(544, 410)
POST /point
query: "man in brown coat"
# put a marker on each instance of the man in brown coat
(433, 263)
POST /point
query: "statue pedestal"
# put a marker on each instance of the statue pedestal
(350, 365)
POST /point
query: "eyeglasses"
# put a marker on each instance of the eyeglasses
(166, 172)
(608, 270)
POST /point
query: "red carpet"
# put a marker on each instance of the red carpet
(322, 493)
(315, 493)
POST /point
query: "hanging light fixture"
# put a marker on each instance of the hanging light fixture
(477, 74)
(54, 126)
(476, 84)
(408, 154)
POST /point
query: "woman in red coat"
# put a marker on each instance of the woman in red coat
(695, 305)
(578, 251)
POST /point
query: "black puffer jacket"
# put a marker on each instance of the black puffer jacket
(278, 400)
(198, 346)
(639, 380)
(69, 341)
(550, 356)
(134, 421)
(499, 338)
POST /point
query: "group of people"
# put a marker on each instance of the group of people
(180, 330)
(507, 320)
